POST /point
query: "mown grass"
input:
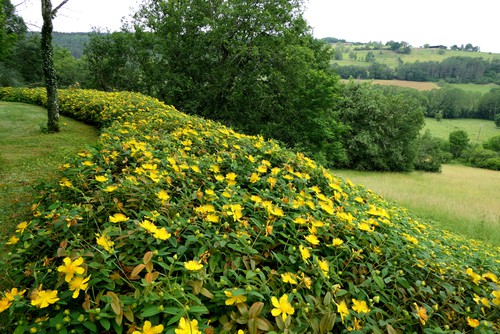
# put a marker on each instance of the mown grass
(478, 130)
(27, 155)
(479, 88)
(461, 199)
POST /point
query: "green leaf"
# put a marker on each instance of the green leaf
(198, 309)
(379, 282)
(105, 323)
(149, 311)
(90, 325)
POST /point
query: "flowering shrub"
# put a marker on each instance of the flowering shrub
(175, 224)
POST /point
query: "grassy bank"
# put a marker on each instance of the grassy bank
(460, 199)
(27, 155)
(479, 130)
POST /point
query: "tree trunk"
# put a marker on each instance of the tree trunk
(48, 68)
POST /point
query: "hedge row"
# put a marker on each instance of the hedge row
(175, 224)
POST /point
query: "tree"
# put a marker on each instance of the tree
(459, 141)
(382, 128)
(48, 64)
(12, 30)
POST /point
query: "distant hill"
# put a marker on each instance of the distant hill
(399, 60)
(73, 41)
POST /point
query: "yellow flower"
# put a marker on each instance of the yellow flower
(148, 226)
(262, 169)
(231, 179)
(324, 266)
(148, 328)
(472, 322)
(343, 310)
(492, 277)
(187, 327)
(365, 227)
(65, 183)
(421, 313)
(105, 242)
(327, 207)
(118, 218)
(304, 252)
(337, 242)
(110, 189)
(234, 299)
(78, 283)
(312, 239)
(11, 295)
(70, 268)
(289, 278)
(12, 240)
(101, 178)
(162, 234)
(163, 195)
(300, 220)
(4, 304)
(44, 298)
(212, 218)
(496, 299)
(360, 306)
(272, 181)
(193, 265)
(306, 280)
(21, 227)
(254, 178)
(282, 307)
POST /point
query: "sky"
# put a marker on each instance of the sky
(434, 22)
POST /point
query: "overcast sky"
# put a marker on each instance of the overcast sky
(445, 22)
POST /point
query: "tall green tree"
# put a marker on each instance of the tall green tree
(382, 128)
(48, 13)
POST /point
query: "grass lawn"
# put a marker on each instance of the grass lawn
(460, 199)
(27, 155)
(479, 130)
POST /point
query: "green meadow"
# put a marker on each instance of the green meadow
(478, 130)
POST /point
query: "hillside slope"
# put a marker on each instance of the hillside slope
(175, 223)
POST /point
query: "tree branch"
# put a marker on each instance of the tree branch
(54, 11)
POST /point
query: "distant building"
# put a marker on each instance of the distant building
(444, 47)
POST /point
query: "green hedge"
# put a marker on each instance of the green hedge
(173, 221)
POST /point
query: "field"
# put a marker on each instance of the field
(460, 199)
(27, 155)
(390, 58)
(479, 130)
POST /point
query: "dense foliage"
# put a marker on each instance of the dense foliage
(382, 128)
(172, 222)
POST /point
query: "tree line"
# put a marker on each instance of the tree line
(451, 70)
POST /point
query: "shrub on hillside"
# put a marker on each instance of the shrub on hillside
(458, 141)
(492, 144)
(430, 154)
(176, 224)
(382, 128)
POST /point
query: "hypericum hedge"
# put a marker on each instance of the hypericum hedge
(175, 224)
